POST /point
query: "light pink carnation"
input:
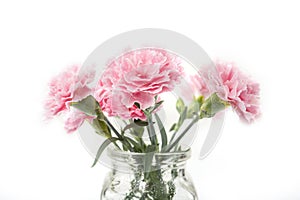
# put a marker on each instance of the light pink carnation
(123, 106)
(103, 95)
(66, 87)
(74, 120)
(137, 77)
(198, 85)
(235, 87)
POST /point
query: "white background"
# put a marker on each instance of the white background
(39, 38)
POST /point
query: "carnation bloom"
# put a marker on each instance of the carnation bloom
(137, 77)
(74, 120)
(198, 85)
(66, 87)
(124, 107)
(236, 88)
(113, 103)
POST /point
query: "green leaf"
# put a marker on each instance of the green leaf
(125, 146)
(102, 148)
(129, 126)
(137, 147)
(88, 105)
(140, 122)
(173, 127)
(135, 129)
(178, 149)
(151, 109)
(157, 105)
(101, 127)
(180, 105)
(182, 117)
(163, 134)
(176, 126)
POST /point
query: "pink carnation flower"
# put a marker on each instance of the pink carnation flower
(235, 87)
(74, 119)
(66, 87)
(137, 77)
(103, 95)
(198, 85)
(123, 106)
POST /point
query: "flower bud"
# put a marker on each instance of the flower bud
(212, 105)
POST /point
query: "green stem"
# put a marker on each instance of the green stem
(113, 128)
(173, 136)
(116, 145)
(151, 131)
(181, 119)
(171, 146)
(119, 135)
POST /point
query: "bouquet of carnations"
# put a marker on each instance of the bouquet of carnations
(130, 90)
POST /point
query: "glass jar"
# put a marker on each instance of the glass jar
(151, 176)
